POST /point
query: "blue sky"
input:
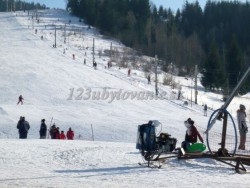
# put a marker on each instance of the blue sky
(173, 4)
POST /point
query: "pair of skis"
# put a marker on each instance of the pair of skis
(50, 125)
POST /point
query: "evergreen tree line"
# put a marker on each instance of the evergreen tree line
(14, 5)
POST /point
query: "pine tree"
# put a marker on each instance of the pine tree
(234, 64)
(213, 74)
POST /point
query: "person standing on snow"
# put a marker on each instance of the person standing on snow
(62, 135)
(205, 110)
(70, 134)
(57, 133)
(20, 99)
(191, 134)
(149, 82)
(95, 65)
(129, 71)
(243, 129)
(43, 129)
(53, 131)
(23, 128)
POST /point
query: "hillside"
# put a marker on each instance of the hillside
(56, 85)
(46, 77)
(52, 82)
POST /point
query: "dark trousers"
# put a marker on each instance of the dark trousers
(242, 141)
(23, 135)
(185, 145)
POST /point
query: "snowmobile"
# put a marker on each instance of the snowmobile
(151, 146)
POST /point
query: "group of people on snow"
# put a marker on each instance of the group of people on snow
(192, 134)
(190, 137)
(54, 132)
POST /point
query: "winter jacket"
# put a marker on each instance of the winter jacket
(23, 127)
(57, 134)
(70, 135)
(43, 129)
(191, 135)
(53, 132)
(20, 98)
(205, 107)
(62, 136)
(241, 119)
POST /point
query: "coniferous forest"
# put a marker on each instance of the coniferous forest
(216, 38)
(14, 5)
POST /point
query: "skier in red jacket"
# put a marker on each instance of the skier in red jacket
(70, 134)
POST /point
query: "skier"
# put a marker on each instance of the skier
(20, 99)
(23, 127)
(95, 65)
(149, 82)
(70, 134)
(191, 134)
(205, 110)
(129, 71)
(243, 129)
(43, 129)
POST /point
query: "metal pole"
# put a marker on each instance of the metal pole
(196, 92)
(224, 131)
(191, 92)
(236, 89)
(14, 6)
(224, 107)
(171, 75)
(55, 36)
(93, 50)
(68, 41)
(36, 11)
(110, 51)
(7, 6)
(32, 22)
(93, 138)
(156, 79)
(65, 33)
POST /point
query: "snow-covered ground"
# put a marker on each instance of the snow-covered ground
(55, 85)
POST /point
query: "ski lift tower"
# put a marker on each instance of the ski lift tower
(222, 113)
(222, 154)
